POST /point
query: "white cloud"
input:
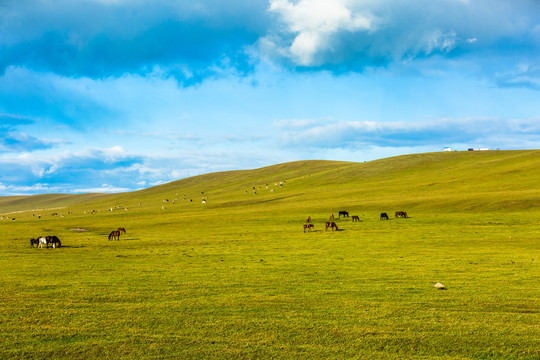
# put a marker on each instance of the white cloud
(487, 132)
(522, 75)
(114, 153)
(439, 41)
(13, 190)
(300, 123)
(355, 35)
(105, 188)
(314, 22)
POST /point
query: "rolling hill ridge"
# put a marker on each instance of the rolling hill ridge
(490, 180)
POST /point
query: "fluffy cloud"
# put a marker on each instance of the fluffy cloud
(111, 169)
(523, 75)
(503, 133)
(314, 22)
(13, 140)
(100, 39)
(66, 170)
(352, 35)
(191, 41)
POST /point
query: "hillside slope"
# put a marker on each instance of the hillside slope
(491, 180)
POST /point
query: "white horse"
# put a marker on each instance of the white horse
(42, 241)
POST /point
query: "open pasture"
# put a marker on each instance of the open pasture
(237, 277)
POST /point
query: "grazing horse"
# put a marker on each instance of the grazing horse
(54, 241)
(114, 235)
(344, 213)
(331, 216)
(331, 224)
(42, 241)
(400, 214)
(308, 227)
(355, 218)
(34, 242)
(384, 216)
(308, 219)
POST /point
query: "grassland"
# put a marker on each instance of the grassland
(237, 278)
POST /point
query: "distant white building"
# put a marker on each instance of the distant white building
(447, 148)
(478, 149)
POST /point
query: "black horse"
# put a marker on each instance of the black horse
(344, 213)
(54, 241)
(384, 216)
(34, 242)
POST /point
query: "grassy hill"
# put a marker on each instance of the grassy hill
(238, 278)
(491, 180)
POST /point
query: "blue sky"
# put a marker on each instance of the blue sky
(118, 95)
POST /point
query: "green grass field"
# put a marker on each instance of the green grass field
(237, 277)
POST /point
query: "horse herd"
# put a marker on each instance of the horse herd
(333, 226)
(115, 234)
(398, 214)
(52, 241)
(329, 224)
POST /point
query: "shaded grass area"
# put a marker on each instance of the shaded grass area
(240, 279)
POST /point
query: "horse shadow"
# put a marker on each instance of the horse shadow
(130, 238)
(328, 230)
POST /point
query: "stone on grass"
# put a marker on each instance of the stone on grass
(439, 286)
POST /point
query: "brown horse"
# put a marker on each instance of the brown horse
(54, 241)
(355, 218)
(308, 227)
(308, 219)
(400, 214)
(114, 235)
(332, 225)
(122, 230)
